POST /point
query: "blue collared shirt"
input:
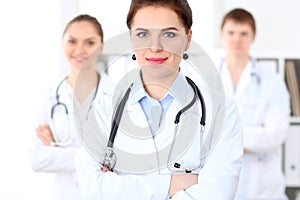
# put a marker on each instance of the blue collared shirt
(155, 110)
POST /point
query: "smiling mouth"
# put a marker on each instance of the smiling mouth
(79, 59)
(156, 61)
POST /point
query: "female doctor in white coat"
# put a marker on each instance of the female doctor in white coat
(160, 32)
(56, 141)
(263, 104)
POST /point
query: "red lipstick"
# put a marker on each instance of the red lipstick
(156, 61)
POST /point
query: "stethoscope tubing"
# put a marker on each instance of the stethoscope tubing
(59, 103)
(110, 158)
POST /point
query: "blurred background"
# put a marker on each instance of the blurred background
(32, 60)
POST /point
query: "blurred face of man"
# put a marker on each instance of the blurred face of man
(237, 38)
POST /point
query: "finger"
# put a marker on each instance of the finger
(42, 137)
(47, 131)
(45, 137)
(105, 169)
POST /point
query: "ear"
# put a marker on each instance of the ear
(189, 39)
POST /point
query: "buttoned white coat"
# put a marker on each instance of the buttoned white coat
(263, 103)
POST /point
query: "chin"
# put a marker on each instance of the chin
(158, 71)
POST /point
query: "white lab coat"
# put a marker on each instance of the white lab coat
(263, 104)
(60, 160)
(217, 179)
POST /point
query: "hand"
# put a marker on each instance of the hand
(105, 168)
(181, 182)
(44, 133)
(246, 151)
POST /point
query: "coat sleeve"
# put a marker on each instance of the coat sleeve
(95, 184)
(219, 177)
(52, 159)
(269, 136)
(47, 158)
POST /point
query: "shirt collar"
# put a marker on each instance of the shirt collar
(177, 90)
(138, 90)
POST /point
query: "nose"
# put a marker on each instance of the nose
(80, 48)
(156, 45)
(236, 38)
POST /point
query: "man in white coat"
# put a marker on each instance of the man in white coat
(263, 102)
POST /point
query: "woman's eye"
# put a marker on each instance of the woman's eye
(169, 35)
(90, 43)
(142, 34)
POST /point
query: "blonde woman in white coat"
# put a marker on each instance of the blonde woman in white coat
(56, 141)
(263, 102)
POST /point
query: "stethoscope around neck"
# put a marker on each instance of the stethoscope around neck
(59, 103)
(66, 141)
(110, 157)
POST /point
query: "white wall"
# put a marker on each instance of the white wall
(29, 62)
(31, 59)
(278, 25)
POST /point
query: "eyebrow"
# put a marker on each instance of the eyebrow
(164, 29)
(89, 38)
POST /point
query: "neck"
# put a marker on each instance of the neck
(72, 78)
(83, 82)
(157, 87)
(236, 62)
(236, 65)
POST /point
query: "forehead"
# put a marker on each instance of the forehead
(156, 17)
(82, 29)
(234, 25)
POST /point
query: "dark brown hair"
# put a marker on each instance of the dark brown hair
(241, 16)
(180, 7)
(86, 18)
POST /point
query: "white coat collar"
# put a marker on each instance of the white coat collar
(183, 95)
(177, 90)
(242, 84)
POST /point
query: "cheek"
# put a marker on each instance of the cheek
(176, 59)
(140, 55)
(250, 41)
(94, 50)
(66, 52)
(225, 41)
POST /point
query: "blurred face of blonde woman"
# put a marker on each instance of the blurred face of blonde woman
(159, 39)
(81, 44)
(237, 38)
